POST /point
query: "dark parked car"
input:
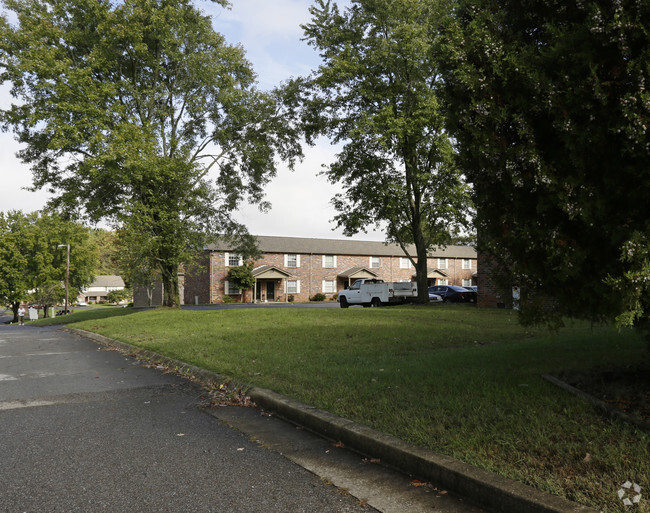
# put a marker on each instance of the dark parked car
(453, 293)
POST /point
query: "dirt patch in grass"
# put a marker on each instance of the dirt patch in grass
(626, 389)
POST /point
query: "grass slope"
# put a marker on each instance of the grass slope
(460, 381)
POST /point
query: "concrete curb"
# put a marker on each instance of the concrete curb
(481, 487)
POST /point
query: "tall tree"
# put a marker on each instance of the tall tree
(549, 103)
(14, 283)
(34, 265)
(108, 251)
(377, 93)
(142, 114)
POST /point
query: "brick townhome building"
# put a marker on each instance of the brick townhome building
(302, 267)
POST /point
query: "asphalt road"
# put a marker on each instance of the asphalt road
(83, 429)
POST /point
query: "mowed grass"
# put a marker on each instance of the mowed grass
(457, 380)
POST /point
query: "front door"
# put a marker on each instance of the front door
(265, 291)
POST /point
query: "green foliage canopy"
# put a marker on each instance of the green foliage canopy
(31, 264)
(377, 93)
(549, 104)
(140, 113)
(242, 277)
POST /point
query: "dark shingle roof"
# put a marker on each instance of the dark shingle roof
(270, 244)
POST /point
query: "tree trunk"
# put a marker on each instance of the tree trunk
(14, 309)
(421, 271)
(170, 286)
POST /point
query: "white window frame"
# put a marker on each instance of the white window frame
(372, 260)
(404, 263)
(333, 265)
(287, 287)
(286, 260)
(467, 263)
(443, 263)
(328, 286)
(467, 283)
(443, 281)
(240, 260)
(231, 292)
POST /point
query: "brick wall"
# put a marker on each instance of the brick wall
(210, 286)
(197, 281)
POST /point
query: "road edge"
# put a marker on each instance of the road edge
(483, 488)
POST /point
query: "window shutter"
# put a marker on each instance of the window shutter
(226, 261)
(298, 261)
(298, 286)
(286, 264)
(226, 287)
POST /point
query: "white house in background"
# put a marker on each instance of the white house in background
(98, 290)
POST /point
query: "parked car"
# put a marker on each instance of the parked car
(473, 288)
(453, 293)
(82, 303)
(434, 297)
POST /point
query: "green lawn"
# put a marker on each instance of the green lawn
(458, 380)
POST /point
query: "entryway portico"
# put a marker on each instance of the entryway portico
(349, 276)
(268, 281)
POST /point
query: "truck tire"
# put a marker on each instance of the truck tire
(344, 302)
(375, 302)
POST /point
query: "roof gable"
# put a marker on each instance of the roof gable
(107, 280)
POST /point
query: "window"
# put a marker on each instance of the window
(467, 263)
(230, 290)
(404, 263)
(374, 262)
(329, 261)
(443, 263)
(293, 286)
(329, 286)
(233, 260)
(467, 283)
(292, 260)
(443, 281)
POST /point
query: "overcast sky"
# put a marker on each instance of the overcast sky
(269, 31)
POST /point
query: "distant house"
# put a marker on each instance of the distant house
(298, 268)
(98, 290)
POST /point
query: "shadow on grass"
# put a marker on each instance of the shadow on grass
(84, 315)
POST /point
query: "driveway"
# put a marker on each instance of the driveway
(84, 429)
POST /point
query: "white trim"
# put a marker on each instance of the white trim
(469, 263)
(286, 260)
(333, 286)
(333, 266)
(286, 286)
(443, 263)
(227, 260)
(227, 292)
(370, 262)
(405, 263)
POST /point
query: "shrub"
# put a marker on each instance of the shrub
(229, 299)
(291, 298)
(319, 297)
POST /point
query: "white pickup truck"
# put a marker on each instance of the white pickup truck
(375, 292)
